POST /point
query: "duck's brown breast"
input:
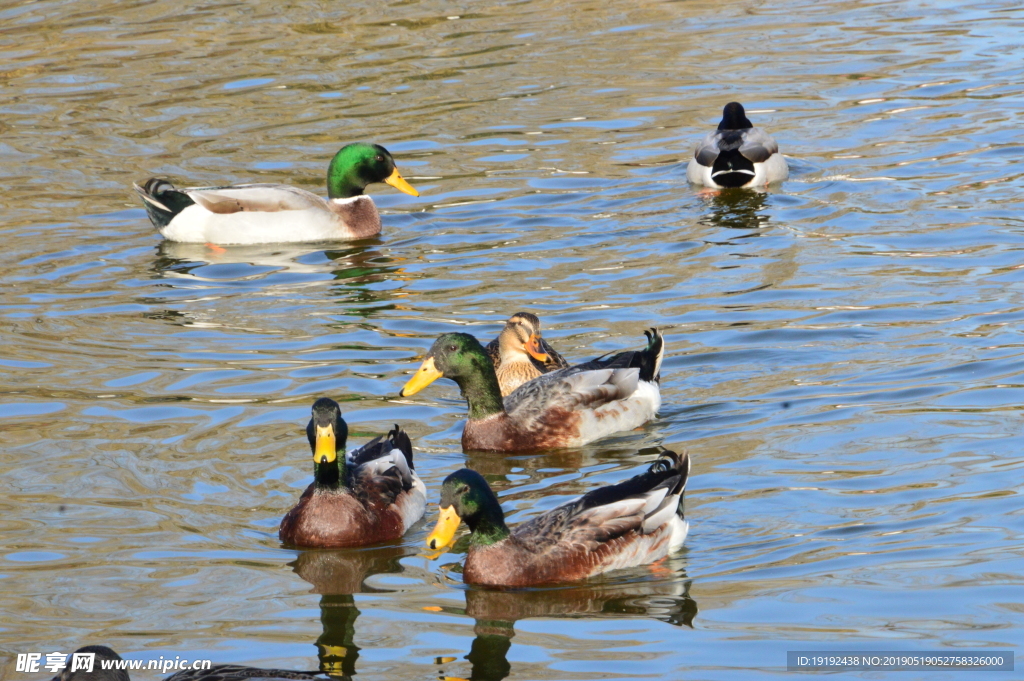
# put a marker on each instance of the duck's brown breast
(337, 519)
(509, 564)
(359, 216)
(551, 429)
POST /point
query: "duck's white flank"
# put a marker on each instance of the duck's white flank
(197, 224)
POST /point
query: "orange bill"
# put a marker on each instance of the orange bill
(533, 347)
(399, 183)
(424, 376)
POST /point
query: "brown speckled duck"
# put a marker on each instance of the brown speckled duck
(370, 495)
(632, 523)
(519, 354)
(565, 408)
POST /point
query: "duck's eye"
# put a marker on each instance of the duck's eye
(379, 159)
(452, 348)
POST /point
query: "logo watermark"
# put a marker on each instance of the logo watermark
(32, 663)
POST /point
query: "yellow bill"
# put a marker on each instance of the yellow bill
(447, 524)
(325, 451)
(534, 348)
(424, 376)
(399, 183)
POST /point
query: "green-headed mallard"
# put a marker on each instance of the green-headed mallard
(271, 213)
(737, 154)
(102, 657)
(370, 495)
(519, 354)
(634, 522)
(565, 408)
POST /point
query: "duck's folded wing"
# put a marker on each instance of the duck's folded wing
(375, 486)
(266, 198)
(757, 145)
(382, 462)
(643, 504)
(707, 151)
(570, 390)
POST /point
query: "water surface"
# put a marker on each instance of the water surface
(844, 353)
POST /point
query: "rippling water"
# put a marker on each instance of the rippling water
(845, 353)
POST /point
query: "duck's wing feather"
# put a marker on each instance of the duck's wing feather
(753, 143)
(707, 150)
(383, 467)
(757, 146)
(643, 503)
(588, 385)
(265, 198)
(569, 390)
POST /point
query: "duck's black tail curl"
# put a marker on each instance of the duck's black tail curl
(650, 358)
(400, 439)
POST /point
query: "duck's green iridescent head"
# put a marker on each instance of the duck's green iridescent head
(466, 496)
(359, 164)
(460, 357)
(453, 355)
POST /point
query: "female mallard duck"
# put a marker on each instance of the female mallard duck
(519, 354)
(217, 672)
(273, 213)
(566, 408)
(634, 522)
(737, 154)
(370, 495)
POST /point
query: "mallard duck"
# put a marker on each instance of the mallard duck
(737, 154)
(104, 656)
(519, 354)
(634, 522)
(565, 408)
(370, 495)
(272, 213)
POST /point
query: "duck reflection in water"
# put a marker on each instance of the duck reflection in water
(336, 576)
(736, 209)
(353, 269)
(665, 598)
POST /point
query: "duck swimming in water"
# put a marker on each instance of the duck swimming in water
(277, 213)
(565, 408)
(370, 495)
(632, 523)
(737, 154)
